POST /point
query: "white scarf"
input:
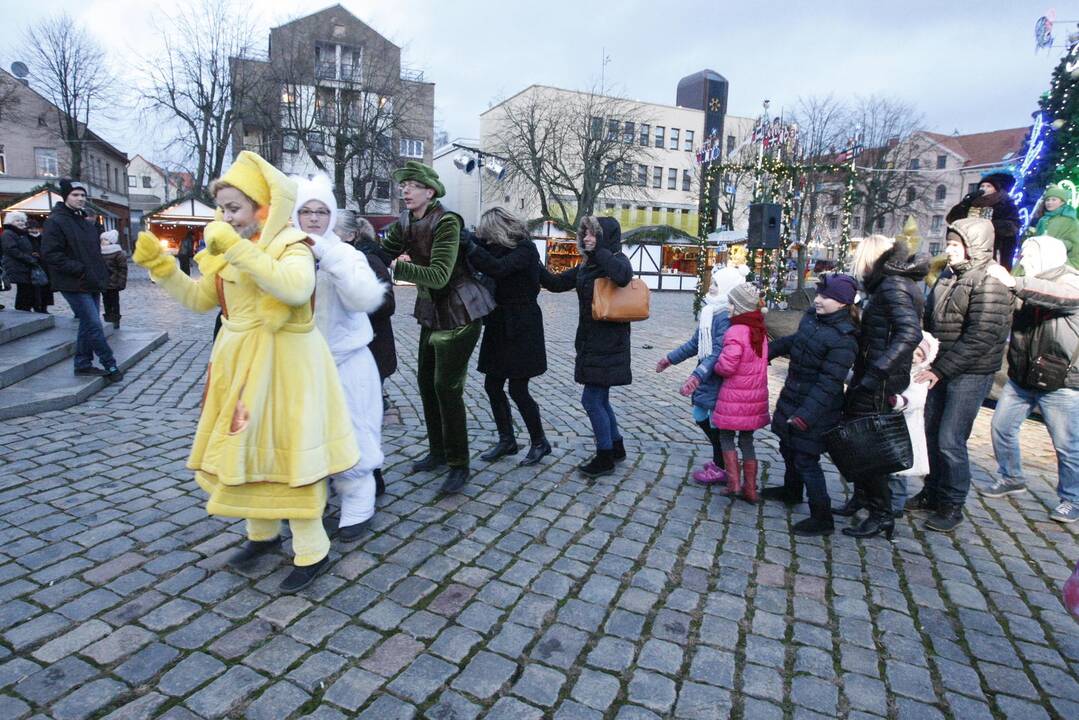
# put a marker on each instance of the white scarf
(704, 326)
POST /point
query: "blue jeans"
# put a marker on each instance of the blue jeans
(897, 484)
(596, 400)
(950, 410)
(1060, 411)
(804, 469)
(91, 337)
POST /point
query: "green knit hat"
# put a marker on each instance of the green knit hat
(1057, 192)
(423, 174)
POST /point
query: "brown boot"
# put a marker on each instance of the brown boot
(749, 481)
(730, 466)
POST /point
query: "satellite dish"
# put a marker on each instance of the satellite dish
(19, 69)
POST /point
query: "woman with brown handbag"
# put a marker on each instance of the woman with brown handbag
(603, 350)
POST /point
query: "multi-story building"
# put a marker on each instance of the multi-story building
(331, 96)
(34, 156)
(150, 186)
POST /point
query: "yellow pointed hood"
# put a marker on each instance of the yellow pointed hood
(274, 191)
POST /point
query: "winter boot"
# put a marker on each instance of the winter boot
(749, 481)
(380, 484)
(857, 502)
(618, 450)
(786, 494)
(733, 471)
(819, 521)
(536, 452)
(507, 445)
(601, 464)
(710, 474)
(879, 499)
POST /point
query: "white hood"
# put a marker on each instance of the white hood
(317, 188)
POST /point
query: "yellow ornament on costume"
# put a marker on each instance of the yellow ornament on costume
(274, 423)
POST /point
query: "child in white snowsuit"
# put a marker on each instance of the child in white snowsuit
(912, 402)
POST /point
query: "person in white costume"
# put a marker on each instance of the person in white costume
(346, 289)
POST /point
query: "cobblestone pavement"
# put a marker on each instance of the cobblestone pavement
(534, 594)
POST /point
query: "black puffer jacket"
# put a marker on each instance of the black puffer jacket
(18, 251)
(603, 354)
(891, 328)
(968, 311)
(821, 353)
(71, 249)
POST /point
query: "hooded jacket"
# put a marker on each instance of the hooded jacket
(115, 261)
(968, 311)
(1046, 322)
(891, 328)
(603, 350)
(18, 251)
(71, 251)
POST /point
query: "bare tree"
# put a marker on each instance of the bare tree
(823, 129)
(523, 139)
(10, 101)
(190, 81)
(71, 71)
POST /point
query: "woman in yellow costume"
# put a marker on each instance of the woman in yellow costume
(274, 422)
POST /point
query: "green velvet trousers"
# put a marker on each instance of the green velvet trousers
(441, 369)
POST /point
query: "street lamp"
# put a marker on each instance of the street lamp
(472, 158)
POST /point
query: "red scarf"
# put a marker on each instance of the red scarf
(755, 321)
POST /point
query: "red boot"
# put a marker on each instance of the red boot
(730, 467)
(749, 481)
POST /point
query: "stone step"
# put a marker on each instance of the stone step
(57, 387)
(32, 353)
(15, 324)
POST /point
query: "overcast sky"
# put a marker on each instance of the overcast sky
(968, 66)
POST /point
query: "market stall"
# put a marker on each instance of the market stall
(172, 222)
(665, 257)
(39, 204)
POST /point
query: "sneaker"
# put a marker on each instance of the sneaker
(114, 374)
(91, 371)
(1002, 487)
(946, 519)
(1065, 512)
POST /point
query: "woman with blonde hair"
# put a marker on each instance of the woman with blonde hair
(512, 349)
(274, 422)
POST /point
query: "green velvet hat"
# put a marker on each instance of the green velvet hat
(1057, 192)
(422, 174)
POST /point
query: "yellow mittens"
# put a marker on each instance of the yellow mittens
(219, 236)
(148, 254)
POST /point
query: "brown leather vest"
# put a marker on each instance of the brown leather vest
(462, 299)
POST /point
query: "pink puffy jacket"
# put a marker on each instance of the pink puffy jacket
(743, 396)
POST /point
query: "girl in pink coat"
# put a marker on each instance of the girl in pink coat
(742, 404)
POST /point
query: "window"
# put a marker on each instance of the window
(46, 162)
(596, 128)
(657, 215)
(108, 176)
(942, 192)
(934, 248)
(629, 134)
(627, 174)
(972, 187)
(132, 181)
(685, 219)
(942, 162)
(912, 194)
(915, 164)
(657, 177)
(614, 129)
(3, 161)
(646, 131)
(674, 139)
(41, 121)
(687, 181)
(639, 216)
(880, 223)
(837, 197)
(611, 172)
(352, 64)
(937, 224)
(856, 222)
(661, 132)
(688, 147)
(315, 144)
(672, 179)
(730, 144)
(146, 181)
(325, 61)
(290, 143)
(382, 189)
(411, 148)
(642, 175)
(833, 222)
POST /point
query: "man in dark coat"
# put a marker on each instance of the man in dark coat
(71, 250)
(186, 251)
(970, 312)
(992, 202)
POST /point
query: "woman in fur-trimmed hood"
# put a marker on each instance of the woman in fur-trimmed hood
(274, 422)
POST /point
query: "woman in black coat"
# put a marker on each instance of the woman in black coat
(20, 258)
(603, 357)
(891, 328)
(513, 348)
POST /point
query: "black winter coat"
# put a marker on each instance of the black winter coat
(603, 350)
(71, 250)
(18, 252)
(513, 345)
(382, 345)
(968, 311)
(998, 208)
(891, 329)
(821, 353)
(117, 264)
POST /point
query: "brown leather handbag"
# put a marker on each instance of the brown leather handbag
(612, 303)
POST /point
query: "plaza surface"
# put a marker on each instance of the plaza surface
(536, 593)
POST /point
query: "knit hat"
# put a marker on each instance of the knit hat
(724, 279)
(1002, 181)
(744, 298)
(1055, 191)
(317, 188)
(423, 174)
(246, 175)
(1042, 253)
(67, 186)
(841, 288)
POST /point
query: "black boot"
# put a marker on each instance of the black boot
(879, 499)
(924, 501)
(618, 450)
(786, 494)
(507, 445)
(536, 453)
(352, 533)
(819, 521)
(380, 484)
(302, 576)
(429, 461)
(945, 519)
(857, 502)
(601, 464)
(455, 480)
(251, 551)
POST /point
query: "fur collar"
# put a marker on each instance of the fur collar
(899, 262)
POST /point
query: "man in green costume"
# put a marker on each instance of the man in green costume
(449, 306)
